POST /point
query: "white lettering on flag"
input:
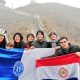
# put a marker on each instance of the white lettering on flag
(29, 61)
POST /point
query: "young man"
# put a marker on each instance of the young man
(40, 42)
(66, 47)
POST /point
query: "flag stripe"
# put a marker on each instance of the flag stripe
(66, 79)
(72, 79)
(60, 60)
(59, 68)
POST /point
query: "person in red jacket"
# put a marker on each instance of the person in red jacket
(30, 39)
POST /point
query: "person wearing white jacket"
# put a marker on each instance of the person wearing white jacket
(3, 38)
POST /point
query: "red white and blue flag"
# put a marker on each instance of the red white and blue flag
(65, 67)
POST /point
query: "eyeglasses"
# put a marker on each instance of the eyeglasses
(63, 42)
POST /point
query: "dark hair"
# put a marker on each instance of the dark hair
(63, 38)
(30, 34)
(40, 31)
(21, 44)
(21, 37)
(3, 43)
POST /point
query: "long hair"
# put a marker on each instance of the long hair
(3, 43)
(21, 44)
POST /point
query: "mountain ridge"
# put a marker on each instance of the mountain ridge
(64, 19)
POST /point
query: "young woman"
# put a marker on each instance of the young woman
(3, 39)
(40, 42)
(30, 39)
(18, 41)
(54, 38)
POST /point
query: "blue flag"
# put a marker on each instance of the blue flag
(10, 65)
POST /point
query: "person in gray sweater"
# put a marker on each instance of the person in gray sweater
(54, 38)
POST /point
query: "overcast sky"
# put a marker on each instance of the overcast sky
(13, 4)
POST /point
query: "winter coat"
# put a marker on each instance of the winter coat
(19, 45)
(71, 49)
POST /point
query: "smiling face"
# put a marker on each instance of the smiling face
(30, 38)
(40, 37)
(1, 38)
(17, 38)
(53, 37)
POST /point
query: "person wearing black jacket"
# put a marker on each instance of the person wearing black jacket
(18, 41)
(66, 47)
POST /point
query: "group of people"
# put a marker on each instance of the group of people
(31, 42)
(61, 44)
